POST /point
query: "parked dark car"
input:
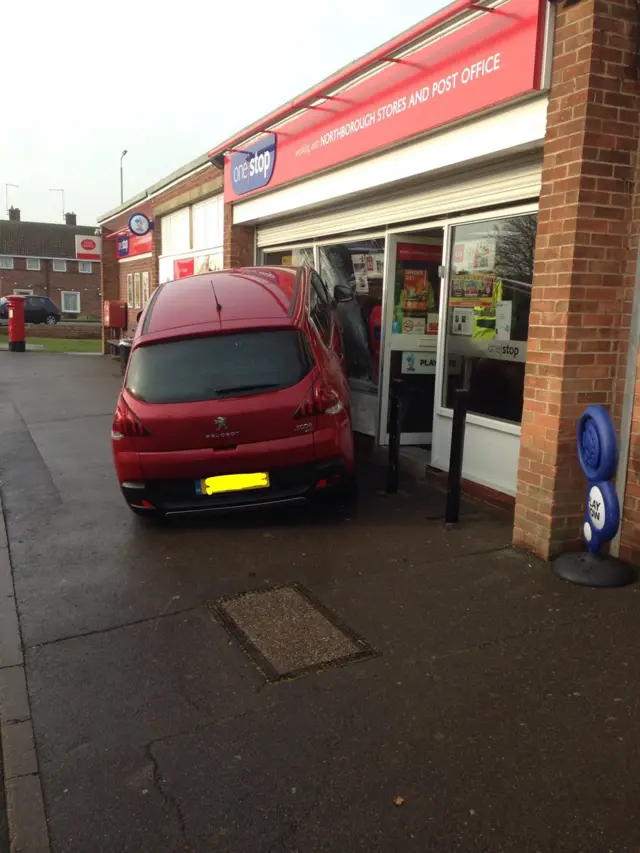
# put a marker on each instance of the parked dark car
(37, 309)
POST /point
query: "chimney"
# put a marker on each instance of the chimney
(70, 219)
(14, 214)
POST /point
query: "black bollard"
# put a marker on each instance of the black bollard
(395, 429)
(454, 483)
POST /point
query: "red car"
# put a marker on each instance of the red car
(235, 395)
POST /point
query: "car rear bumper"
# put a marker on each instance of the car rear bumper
(291, 485)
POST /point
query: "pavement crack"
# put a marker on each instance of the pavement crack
(168, 798)
(155, 618)
(521, 635)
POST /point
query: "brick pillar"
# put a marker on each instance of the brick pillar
(578, 328)
(109, 279)
(238, 241)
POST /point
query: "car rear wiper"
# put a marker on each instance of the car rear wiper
(236, 388)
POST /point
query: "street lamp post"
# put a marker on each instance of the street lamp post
(122, 177)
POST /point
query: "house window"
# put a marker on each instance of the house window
(176, 232)
(208, 223)
(18, 291)
(136, 289)
(6, 263)
(70, 302)
(84, 266)
(130, 290)
(145, 288)
(59, 266)
(33, 264)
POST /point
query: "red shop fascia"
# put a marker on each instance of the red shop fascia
(400, 92)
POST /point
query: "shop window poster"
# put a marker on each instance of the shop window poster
(475, 255)
(414, 309)
(472, 289)
(365, 268)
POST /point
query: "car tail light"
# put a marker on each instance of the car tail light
(321, 400)
(126, 424)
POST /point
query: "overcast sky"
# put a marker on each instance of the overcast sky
(166, 80)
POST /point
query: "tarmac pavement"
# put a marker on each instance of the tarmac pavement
(497, 715)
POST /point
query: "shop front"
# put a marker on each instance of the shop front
(431, 221)
(437, 306)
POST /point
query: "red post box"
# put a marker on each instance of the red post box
(16, 323)
(115, 314)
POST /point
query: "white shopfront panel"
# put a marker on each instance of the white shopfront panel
(490, 455)
(506, 171)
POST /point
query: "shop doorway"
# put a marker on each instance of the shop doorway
(412, 305)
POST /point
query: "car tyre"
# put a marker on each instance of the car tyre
(50, 320)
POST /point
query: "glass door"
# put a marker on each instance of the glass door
(412, 300)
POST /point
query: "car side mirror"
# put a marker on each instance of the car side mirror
(342, 293)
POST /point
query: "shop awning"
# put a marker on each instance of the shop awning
(386, 53)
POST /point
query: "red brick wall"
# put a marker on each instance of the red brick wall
(580, 308)
(131, 268)
(46, 282)
(82, 331)
(239, 241)
(187, 191)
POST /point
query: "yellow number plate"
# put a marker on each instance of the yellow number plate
(232, 483)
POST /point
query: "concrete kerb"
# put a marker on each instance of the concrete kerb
(26, 817)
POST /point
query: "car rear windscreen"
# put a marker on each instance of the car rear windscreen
(218, 367)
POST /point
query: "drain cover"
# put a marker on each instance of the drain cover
(288, 632)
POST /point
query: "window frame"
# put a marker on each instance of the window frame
(36, 261)
(479, 418)
(130, 294)
(322, 300)
(23, 291)
(137, 290)
(6, 262)
(202, 214)
(59, 265)
(145, 288)
(88, 267)
(63, 293)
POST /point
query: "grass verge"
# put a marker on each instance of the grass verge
(66, 344)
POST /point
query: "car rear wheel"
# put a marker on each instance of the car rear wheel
(51, 320)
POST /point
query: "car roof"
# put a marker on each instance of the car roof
(242, 297)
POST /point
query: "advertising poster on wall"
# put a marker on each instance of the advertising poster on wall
(207, 263)
(183, 268)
